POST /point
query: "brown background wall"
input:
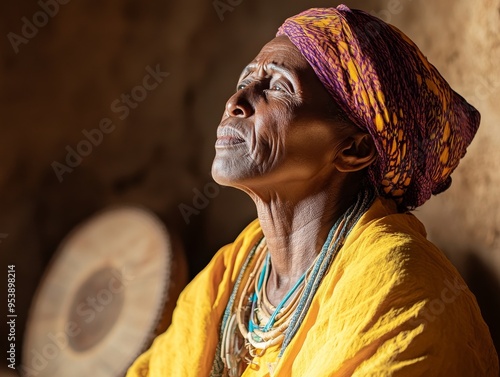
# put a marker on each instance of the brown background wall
(64, 80)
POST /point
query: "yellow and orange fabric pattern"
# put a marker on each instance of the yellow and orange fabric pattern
(391, 304)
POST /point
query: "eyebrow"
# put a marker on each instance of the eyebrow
(271, 66)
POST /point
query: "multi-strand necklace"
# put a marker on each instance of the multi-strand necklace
(266, 323)
(251, 324)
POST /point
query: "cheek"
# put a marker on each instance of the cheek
(269, 138)
(312, 144)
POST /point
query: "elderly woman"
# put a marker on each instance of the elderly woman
(338, 127)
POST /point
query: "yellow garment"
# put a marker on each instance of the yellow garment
(390, 305)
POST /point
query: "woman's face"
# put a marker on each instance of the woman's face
(277, 128)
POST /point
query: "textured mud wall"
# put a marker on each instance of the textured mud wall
(116, 102)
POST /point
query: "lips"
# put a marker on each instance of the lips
(228, 136)
(226, 141)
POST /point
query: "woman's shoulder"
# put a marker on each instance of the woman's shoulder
(389, 274)
(390, 250)
(387, 235)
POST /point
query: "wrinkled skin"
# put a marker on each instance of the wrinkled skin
(281, 141)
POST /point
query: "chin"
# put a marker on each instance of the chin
(231, 173)
(220, 173)
(221, 180)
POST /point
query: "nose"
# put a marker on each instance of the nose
(239, 105)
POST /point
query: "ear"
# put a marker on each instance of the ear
(358, 153)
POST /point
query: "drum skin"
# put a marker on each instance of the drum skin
(109, 290)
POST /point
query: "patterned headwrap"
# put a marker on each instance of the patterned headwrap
(382, 81)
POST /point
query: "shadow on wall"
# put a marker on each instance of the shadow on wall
(485, 285)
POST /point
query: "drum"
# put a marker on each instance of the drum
(109, 290)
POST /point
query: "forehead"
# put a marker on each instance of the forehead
(280, 51)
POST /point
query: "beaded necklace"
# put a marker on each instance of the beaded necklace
(254, 325)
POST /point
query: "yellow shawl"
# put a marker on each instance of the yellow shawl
(390, 305)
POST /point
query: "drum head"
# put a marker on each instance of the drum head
(98, 305)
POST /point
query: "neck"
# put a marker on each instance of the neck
(295, 229)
